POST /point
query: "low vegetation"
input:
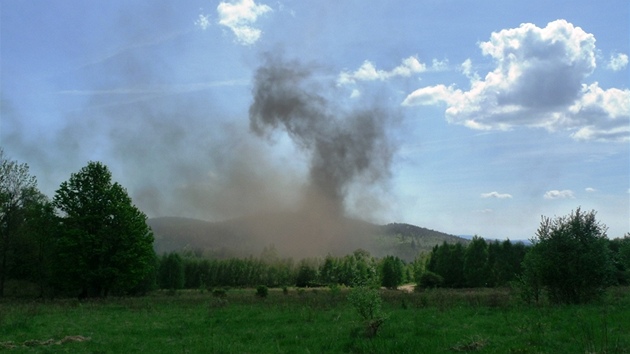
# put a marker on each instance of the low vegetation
(429, 321)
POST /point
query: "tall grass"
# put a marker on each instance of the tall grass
(435, 321)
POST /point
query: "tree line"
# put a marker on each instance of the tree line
(89, 240)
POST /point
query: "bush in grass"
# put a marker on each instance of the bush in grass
(335, 290)
(220, 293)
(429, 280)
(367, 302)
(285, 290)
(262, 291)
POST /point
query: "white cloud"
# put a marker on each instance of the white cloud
(203, 21)
(467, 70)
(484, 211)
(537, 82)
(409, 66)
(590, 189)
(618, 62)
(601, 114)
(431, 95)
(556, 194)
(239, 16)
(496, 195)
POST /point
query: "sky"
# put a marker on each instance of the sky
(466, 117)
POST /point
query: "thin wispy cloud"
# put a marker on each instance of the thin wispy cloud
(618, 62)
(538, 81)
(496, 195)
(156, 89)
(559, 194)
(126, 95)
(240, 16)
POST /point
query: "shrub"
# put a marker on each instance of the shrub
(570, 258)
(220, 293)
(262, 291)
(367, 302)
(429, 280)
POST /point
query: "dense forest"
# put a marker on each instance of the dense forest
(89, 240)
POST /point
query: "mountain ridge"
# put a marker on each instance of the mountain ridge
(293, 235)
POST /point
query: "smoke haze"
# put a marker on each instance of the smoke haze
(292, 165)
(342, 146)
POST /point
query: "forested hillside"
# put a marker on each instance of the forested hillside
(292, 235)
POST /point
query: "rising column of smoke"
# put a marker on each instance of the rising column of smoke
(343, 146)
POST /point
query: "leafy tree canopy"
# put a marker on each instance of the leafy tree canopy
(104, 244)
(570, 258)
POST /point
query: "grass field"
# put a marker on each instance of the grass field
(315, 321)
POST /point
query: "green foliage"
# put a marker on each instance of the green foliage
(307, 275)
(620, 248)
(368, 302)
(104, 243)
(476, 271)
(570, 258)
(262, 291)
(18, 194)
(171, 272)
(392, 272)
(447, 260)
(504, 262)
(530, 282)
(429, 280)
(220, 293)
(450, 320)
(328, 271)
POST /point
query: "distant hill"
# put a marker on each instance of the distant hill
(406, 240)
(293, 235)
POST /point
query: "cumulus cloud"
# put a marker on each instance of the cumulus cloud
(239, 16)
(496, 195)
(556, 194)
(618, 62)
(409, 66)
(537, 81)
(590, 189)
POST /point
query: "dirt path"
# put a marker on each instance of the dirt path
(407, 287)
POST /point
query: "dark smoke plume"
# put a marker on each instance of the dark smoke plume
(343, 146)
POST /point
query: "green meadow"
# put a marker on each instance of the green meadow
(318, 320)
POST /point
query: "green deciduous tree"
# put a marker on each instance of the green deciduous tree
(307, 274)
(18, 192)
(328, 271)
(620, 248)
(570, 258)
(104, 243)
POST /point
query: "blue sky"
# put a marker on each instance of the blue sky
(496, 112)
